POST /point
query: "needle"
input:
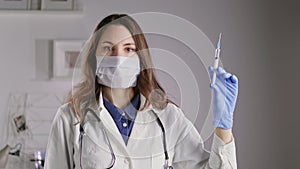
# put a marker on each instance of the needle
(217, 58)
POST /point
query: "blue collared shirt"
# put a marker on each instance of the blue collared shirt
(124, 119)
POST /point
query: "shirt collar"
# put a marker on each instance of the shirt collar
(142, 115)
(99, 107)
(130, 109)
(133, 106)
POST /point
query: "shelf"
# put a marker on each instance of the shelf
(41, 12)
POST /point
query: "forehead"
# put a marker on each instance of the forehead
(116, 34)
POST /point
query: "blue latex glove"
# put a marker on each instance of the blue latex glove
(225, 91)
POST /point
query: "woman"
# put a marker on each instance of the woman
(119, 115)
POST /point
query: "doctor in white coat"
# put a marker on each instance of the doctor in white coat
(119, 116)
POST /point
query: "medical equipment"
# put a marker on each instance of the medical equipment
(15, 150)
(166, 165)
(217, 58)
(113, 157)
(39, 159)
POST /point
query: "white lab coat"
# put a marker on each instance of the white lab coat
(144, 149)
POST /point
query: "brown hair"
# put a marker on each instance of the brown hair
(87, 92)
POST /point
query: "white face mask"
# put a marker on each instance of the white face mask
(117, 71)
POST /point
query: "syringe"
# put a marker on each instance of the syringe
(217, 58)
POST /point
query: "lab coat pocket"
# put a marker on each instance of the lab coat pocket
(94, 156)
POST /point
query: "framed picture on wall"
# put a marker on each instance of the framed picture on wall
(66, 58)
(13, 4)
(34, 4)
(57, 4)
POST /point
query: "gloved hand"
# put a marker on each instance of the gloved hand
(225, 91)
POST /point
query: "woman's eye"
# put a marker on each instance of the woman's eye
(130, 49)
(107, 48)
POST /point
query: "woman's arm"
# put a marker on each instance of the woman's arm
(225, 135)
(59, 152)
(190, 152)
(225, 92)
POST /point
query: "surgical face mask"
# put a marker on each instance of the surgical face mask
(117, 71)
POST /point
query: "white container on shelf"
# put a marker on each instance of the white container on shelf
(13, 4)
(57, 4)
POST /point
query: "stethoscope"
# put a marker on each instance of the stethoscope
(113, 157)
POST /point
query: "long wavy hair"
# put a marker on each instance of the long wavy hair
(86, 93)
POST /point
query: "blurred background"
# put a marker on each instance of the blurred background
(260, 45)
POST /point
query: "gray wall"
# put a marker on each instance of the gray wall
(260, 45)
(284, 40)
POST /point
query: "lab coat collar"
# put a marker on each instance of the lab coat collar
(106, 122)
(144, 116)
(142, 98)
(130, 110)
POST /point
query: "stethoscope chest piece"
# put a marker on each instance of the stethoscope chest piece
(166, 165)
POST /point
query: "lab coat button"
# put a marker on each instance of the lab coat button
(91, 151)
(221, 151)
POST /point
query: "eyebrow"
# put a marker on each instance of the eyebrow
(123, 44)
(128, 44)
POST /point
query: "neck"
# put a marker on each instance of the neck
(119, 97)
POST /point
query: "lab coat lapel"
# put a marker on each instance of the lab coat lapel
(139, 136)
(142, 117)
(108, 123)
